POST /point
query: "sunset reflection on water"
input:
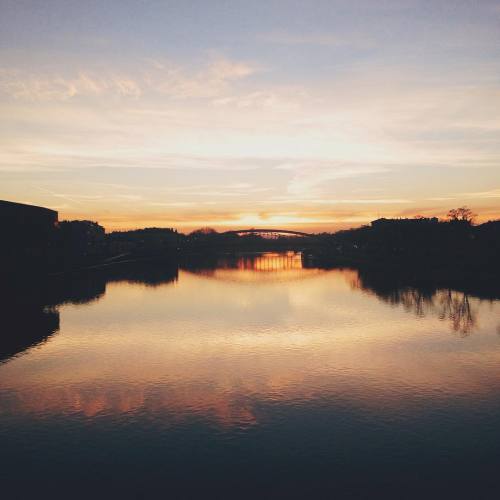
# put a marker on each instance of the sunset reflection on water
(247, 343)
(215, 348)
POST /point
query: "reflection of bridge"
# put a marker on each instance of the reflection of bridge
(261, 267)
(271, 232)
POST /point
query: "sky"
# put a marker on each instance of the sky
(314, 115)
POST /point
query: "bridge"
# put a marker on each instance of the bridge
(271, 232)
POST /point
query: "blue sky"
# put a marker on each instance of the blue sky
(318, 114)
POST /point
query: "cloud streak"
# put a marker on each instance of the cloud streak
(164, 78)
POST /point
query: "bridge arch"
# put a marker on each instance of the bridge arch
(268, 231)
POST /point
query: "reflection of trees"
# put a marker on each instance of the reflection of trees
(28, 306)
(411, 299)
(456, 307)
(24, 327)
(447, 304)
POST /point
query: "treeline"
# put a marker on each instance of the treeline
(454, 243)
(420, 242)
(87, 242)
(78, 243)
(424, 242)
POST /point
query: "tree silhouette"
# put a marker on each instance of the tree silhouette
(462, 214)
(204, 231)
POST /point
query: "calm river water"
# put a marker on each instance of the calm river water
(249, 377)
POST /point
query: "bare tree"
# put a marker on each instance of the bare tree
(204, 231)
(462, 214)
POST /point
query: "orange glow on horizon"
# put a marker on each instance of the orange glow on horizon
(126, 223)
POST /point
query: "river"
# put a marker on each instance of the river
(253, 376)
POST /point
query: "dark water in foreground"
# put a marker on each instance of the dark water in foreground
(256, 378)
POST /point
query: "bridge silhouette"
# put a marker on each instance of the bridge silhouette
(268, 231)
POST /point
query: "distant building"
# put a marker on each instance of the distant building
(418, 221)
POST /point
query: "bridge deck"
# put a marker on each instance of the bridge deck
(267, 230)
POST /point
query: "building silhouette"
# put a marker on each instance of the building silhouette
(27, 233)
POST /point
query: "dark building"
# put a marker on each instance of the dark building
(415, 222)
(27, 232)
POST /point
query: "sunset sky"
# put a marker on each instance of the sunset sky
(314, 114)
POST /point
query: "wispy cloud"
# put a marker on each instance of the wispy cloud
(164, 78)
(311, 177)
(491, 193)
(45, 87)
(308, 202)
